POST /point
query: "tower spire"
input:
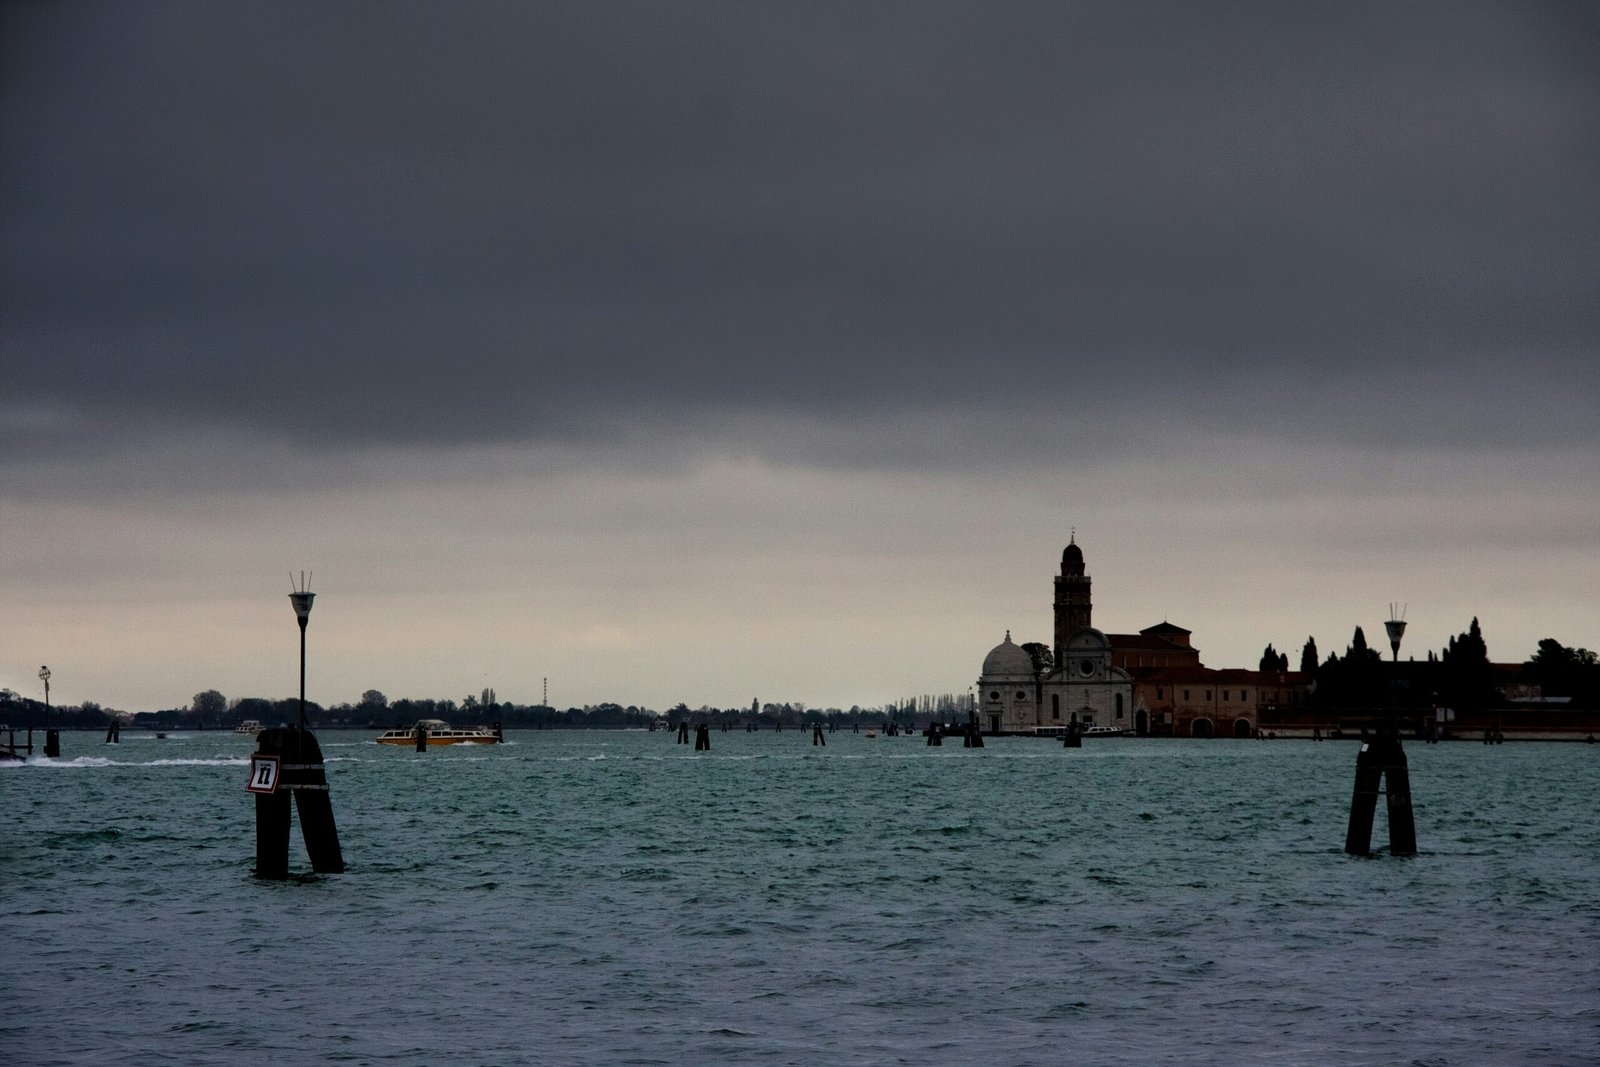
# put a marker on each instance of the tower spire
(1072, 606)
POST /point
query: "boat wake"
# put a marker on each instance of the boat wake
(92, 762)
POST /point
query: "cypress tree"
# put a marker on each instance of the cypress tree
(1308, 657)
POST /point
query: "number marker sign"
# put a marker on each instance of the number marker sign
(263, 774)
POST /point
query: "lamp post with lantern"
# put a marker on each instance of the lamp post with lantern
(288, 762)
(1381, 767)
(52, 738)
(301, 598)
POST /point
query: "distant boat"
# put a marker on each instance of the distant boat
(872, 733)
(1083, 731)
(440, 732)
(249, 726)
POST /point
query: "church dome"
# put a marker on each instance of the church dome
(1007, 659)
(1072, 558)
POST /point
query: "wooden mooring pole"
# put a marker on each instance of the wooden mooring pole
(287, 761)
(1381, 766)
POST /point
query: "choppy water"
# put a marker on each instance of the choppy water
(614, 898)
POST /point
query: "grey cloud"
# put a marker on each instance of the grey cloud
(411, 222)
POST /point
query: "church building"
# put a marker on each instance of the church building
(1151, 683)
(1082, 684)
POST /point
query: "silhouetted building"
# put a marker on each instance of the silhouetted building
(1151, 683)
(1084, 685)
(1162, 645)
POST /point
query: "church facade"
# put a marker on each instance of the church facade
(1151, 683)
(1082, 683)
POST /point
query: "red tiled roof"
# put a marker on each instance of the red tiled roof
(1216, 676)
(1146, 640)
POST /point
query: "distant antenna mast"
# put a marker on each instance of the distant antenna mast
(545, 700)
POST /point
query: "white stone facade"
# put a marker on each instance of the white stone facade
(1083, 685)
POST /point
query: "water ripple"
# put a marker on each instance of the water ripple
(614, 898)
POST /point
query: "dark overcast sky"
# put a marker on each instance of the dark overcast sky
(695, 309)
(415, 221)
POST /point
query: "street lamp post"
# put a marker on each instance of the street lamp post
(288, 762)
(1396, 627)
(52, 739)
(301, 599)
(1397, 630)
(1381, 767)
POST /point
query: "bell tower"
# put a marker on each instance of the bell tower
(1072, 597)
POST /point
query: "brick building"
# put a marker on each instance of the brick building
(1151, 683)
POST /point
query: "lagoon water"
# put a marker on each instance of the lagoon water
(614, 898)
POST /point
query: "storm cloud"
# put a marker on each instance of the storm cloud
(393, 222)
(1208, 254)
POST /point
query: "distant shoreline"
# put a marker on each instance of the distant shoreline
(1292, 733)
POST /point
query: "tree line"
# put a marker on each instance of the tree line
(1458, 676)
(210, 709)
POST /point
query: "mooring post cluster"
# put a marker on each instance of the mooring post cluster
(288, 761)
(52, 737)
(1381, 767)
(974, 736)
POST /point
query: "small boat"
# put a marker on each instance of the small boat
(249, 726)
(1083, 731)
(440, 732)
(872, 733)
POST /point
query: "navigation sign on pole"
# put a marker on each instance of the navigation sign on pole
(263, 775)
